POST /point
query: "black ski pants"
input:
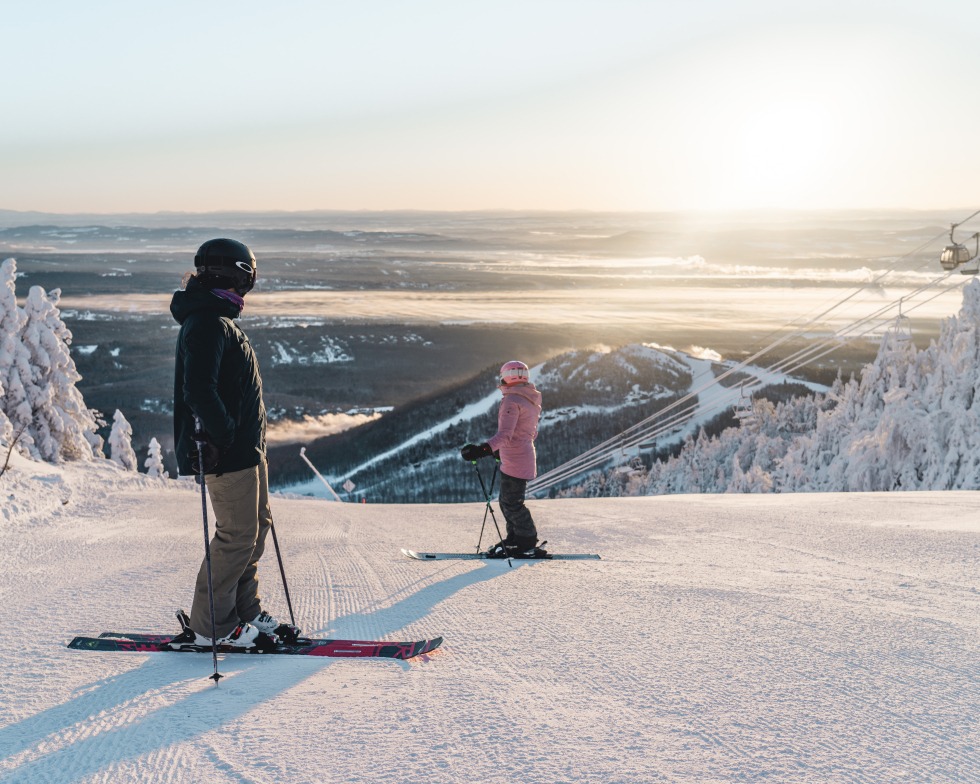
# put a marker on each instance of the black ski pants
(520, 524)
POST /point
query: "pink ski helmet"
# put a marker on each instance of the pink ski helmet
(513, 372)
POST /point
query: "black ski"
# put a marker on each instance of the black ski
(483, 557)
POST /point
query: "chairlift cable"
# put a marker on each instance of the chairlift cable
(967, 218)
(796, 367)
(873, 282)
(881, 276)
(843, 331)
(833, 345)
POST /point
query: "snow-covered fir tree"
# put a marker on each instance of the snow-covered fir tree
(121, 442)
(15, 360)
(61, 425)
(6, 430)
(154, 460)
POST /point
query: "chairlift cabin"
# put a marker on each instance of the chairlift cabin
(956, 254)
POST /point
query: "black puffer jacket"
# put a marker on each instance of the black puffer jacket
(216, 378)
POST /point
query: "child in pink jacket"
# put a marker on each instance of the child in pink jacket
(517, 427)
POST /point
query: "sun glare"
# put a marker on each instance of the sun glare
(781, 119)
(780, 148)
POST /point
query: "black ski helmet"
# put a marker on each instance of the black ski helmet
(226, 264)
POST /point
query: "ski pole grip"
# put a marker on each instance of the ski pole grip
(199, 435)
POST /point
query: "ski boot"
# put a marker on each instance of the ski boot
(284, 632)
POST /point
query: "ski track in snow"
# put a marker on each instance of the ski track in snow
(806, 638)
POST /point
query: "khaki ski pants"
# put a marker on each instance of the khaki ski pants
(240, 501)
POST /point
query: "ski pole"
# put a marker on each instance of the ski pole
(302, 453)
(487, 508)
(486, 496)
(199, 440)
(282, 571)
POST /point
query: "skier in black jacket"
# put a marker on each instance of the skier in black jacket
(217, 384)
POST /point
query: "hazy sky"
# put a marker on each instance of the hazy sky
(515, 104)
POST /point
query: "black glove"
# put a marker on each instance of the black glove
(212, 456)
(473, 452)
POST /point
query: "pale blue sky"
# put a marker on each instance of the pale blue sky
(515, 104)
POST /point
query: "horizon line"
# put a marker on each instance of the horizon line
(491, 210)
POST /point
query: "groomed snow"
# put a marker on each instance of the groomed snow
(784, 638)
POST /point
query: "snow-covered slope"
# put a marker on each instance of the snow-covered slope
(790, 638)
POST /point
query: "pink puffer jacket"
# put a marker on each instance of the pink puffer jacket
(517, 427)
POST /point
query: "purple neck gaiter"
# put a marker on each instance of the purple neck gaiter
(232, 296)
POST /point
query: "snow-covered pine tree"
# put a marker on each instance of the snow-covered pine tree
(154, 460)
(61, 425)
(940, 408)
(6, 430)
(15, 364)
(121, 442)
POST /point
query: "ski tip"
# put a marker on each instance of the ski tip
(426, 647)
(418, 556)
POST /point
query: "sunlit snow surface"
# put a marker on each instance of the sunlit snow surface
(789, 638)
